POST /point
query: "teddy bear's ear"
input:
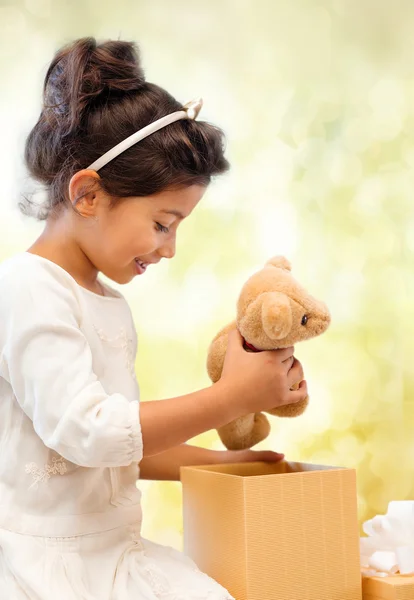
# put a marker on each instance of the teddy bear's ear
(276, 315)
(279, 261)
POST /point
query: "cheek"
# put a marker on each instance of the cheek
(104, 241)
(123, 239)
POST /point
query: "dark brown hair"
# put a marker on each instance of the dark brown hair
(95, 95)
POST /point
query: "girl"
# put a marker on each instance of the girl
(73, 437)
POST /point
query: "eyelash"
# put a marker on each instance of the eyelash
(162, 228)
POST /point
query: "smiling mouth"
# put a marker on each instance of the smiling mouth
(140, 266)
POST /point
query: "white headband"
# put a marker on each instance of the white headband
(189, 111)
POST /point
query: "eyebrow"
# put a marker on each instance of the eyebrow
(176, 213)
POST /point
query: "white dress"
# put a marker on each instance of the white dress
(70, 445)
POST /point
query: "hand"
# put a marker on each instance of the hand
(295, 374)
(244, 456)
(261, 381)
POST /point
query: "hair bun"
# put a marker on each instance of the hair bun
(83, 74)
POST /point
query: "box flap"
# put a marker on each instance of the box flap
(395, 587)
(256, 469)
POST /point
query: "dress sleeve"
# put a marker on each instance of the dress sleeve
(48, 362)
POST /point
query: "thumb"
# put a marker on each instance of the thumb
(235, 338)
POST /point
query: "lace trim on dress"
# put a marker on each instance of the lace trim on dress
(43, 474)
(123, 341)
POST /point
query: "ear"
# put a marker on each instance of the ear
(279, 261)
(84, 191)
(276, 315)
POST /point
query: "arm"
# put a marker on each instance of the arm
(47, 360)
(166, 466)
(249, 380)
(169, 423)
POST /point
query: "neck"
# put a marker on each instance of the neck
(57, 245)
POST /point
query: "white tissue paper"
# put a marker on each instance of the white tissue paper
(389, 547)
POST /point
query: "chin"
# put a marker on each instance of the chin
(118, 277)
(123, 279)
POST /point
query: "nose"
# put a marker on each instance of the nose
(167, 250)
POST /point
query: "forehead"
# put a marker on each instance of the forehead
(179, 202)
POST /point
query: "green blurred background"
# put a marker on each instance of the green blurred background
(317, 100)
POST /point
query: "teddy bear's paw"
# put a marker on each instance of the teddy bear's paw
(261, 429)
(217, 352)
(245, 432)
(290, 410)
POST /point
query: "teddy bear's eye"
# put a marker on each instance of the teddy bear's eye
(304, 319)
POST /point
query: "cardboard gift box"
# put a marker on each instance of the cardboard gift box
(387, 553)
(274, 531)
(394, 587)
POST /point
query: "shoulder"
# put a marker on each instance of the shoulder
(27, 279)
(25, 270)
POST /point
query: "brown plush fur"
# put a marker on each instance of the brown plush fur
(270, 310)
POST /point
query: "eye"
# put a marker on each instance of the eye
(162, 228)
(304, 319)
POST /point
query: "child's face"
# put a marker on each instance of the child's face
(123, 240)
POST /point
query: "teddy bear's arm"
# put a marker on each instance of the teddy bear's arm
(217, 352)
(245, 431)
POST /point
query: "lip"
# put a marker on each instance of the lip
(139, 269)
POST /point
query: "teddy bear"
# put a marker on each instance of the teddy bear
(273, 311)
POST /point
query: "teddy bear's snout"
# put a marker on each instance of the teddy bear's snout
(318, 322)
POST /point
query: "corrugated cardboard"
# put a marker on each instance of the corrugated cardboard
(284, 531)
(395, 587)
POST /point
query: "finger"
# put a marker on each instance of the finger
(283, 354)
(288, 364)
(295, 373)
(300, 394)
(255, 456)
(268, 456)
